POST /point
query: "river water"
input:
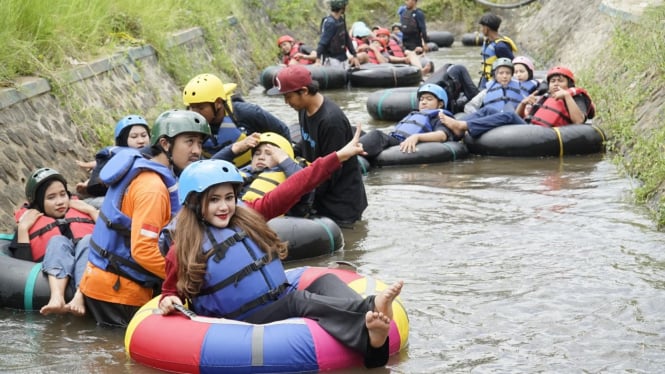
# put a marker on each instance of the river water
(510, 265)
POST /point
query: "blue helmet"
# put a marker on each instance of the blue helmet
(200, 175)
(129, 121)
(435, 90)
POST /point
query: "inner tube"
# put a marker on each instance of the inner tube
(23, 285)
(178, 343)
(473, 39)
(427, 153)
(514, 5)
(538, 141)
(385, 75)
(392, 104)
(441, 38)
(328, 77)
(308, 237)
(432, 47)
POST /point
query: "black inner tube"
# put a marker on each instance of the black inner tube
(506, 5)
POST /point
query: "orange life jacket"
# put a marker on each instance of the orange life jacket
(46, 227)
(554, 113)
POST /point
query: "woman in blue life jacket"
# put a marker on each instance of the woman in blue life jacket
(130, 131)
(419, 126)
(55, 229)
(226, 262)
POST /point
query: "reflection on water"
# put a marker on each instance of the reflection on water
(510, 265)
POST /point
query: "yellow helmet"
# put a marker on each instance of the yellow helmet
(279, 141)
(207, 88)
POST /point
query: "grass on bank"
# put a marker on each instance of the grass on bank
(637, 79)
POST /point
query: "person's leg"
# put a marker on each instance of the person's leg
(110, 314)
(460, 74)
(375, 141)
(57, 265)
(482, 121)
(76, 305)
(360, 324)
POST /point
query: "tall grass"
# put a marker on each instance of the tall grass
(635, 82)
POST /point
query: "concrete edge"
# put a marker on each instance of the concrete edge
(28, 87)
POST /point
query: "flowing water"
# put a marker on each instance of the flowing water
(510, 265)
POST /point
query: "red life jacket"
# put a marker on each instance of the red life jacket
(554, 113)
(372, 57)
(46, 227)
(394, 49)
(295, 49)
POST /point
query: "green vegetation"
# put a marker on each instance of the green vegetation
(635, 82)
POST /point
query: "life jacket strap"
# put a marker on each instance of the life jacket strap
(114, 266)
(238, 275)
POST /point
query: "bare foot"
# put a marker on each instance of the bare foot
(383, 302)
(456, 126)
(76, 305)
(56, 305)
(378, 327)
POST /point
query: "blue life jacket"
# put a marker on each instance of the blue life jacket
(527, 87)
(228, 133)
(417, 122)
(111, 238)
(498, 96)
(240, 277)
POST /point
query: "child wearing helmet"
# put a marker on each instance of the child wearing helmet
(524, 69)
(211, 215)
(501, 93)
(563, 105)
(273, 161)
(419, 126)
(292, 52)
(55, 229)
(130, 131)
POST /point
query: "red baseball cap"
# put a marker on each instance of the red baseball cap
(291, 78)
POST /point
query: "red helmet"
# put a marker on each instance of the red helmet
(382, 31)
(284, 38)
(560, 70)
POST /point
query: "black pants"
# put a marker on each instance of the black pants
(338, 309)
(375, 141)
(110, 314)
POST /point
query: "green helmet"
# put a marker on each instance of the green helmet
(502, 62)
(338, 4)
(38, 178)
(174, 122)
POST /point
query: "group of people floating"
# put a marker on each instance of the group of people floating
(185, 201)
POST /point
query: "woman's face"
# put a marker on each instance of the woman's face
(521, 73)
(220, 206)
(56, 200)
(138, 137)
